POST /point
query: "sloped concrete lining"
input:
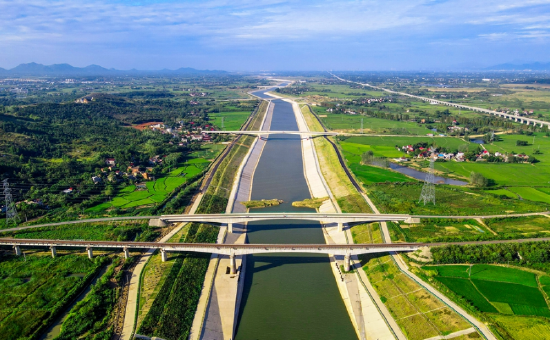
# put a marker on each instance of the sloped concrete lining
(222, 307)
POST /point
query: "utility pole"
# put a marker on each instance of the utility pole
(361, 124)
(11, 212)
(222, 124)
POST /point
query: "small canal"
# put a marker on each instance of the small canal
(288, 296)
(54, 330)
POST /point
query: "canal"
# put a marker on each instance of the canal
(288, 296)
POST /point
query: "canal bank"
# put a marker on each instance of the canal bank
(220, 300)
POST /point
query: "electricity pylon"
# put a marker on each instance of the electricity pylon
(11, 212)
(428, 190)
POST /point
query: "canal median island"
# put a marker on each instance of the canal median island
(313, 203)
(262, 203)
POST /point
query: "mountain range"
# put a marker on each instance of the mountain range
(34, 69)
(521, 67)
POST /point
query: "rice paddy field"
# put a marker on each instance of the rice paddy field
(515, 299)
(155, 191)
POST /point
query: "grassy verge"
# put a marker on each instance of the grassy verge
(418, 313)
(341, 187)
(261, 203)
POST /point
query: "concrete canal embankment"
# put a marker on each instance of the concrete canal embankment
(220, 300)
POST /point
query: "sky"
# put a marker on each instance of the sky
(272, 35)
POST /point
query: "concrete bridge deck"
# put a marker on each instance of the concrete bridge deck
(340, 218)
(346, 250)
(262, 133)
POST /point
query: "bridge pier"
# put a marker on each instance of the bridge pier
(340, 226)
(54, 251)
(126, 253)
(232, 265)
(17, 250)
(90, 252)
(347, 262)
(163, 255)
(230, 227)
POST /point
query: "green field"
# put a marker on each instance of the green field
(519, 225)
(431, 230)
(232, 121)
(537, 174)
(531, 194)
(495, 289)
(35, 286)
(156, 191)
(352, 123)
(116, 231)
(450, 200)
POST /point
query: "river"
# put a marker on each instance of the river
(290, 296)
(422, 175)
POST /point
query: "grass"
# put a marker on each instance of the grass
(341, 187)
(522, 328)
(352, 124)
(531, 194)
(495, 289)
(430, 230)
(35, 286)
(232, 121)
(520, 225)
(403, 198)
(314, 203)
(261, 203)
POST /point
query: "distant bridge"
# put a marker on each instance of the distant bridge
(520, 119)
(262, 133)
(230, 219)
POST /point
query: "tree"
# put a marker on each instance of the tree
(478, 180)
(367, 157)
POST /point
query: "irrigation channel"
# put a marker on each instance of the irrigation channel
(291, 296)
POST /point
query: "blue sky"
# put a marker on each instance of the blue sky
(254, 35)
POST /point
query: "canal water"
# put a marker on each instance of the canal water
(288, 296)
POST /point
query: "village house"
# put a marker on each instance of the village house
(110, 161)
